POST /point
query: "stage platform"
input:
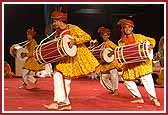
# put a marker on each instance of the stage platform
(85, 95)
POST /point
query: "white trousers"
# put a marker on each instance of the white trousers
(148, 83)
(61, 88)
(26, 75)
(110, 81)
(114, 78)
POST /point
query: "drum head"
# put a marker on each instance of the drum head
(70, 51)
(149, 53)
(19, 52)
(106, 58)
(14, 48)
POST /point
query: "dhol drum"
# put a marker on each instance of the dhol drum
(134, 53)
(16, 51)
(103, 54)
(54, 50)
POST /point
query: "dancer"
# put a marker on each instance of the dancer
(136, 70)
(69, 68)
(109, 72)
(31, 64)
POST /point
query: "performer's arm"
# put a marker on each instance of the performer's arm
(112, 45)
(33, 45)
(121, 43)
(151, 40)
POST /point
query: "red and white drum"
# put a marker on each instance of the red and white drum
(54, 51)
(103, 54)
(133, 53)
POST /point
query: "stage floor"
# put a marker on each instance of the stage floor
(85, 95)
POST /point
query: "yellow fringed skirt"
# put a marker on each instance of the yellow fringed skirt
(137, 70)
(82, 64)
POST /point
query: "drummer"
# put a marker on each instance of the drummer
(109, 72)
(69, 68)
(139, 70)
(30, 64)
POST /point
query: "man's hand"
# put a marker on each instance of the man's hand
(150, 48)
(110, 54)
(23, 55)
(72, 42)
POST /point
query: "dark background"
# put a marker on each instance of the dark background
(148, 19)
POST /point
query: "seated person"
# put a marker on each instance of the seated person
(158, 64)
(7, 70)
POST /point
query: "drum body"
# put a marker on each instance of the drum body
(54, 51)
(102, 54)
(133, 53)
(16, 50)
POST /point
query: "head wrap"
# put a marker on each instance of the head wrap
(59, 16)
(124, 22)
(103, 30)
(31, 32)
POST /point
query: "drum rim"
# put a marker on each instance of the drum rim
(71, 51)
(18, 54)
(104, 56)
(149, 54)
(13, 47)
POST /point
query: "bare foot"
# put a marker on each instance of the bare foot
(137, 101)
(116, 92)
(52, 106)
(65, 108)
(155, 102)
